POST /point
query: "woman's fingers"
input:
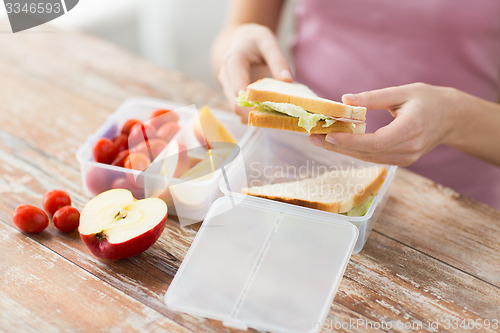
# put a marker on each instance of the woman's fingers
(421, 123)
(252, 47)
(399, 157)
(402, 137)
(383, 140)
(387, 98)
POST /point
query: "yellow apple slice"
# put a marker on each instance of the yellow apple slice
(208, 129)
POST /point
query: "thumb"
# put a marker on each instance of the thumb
(387, 98)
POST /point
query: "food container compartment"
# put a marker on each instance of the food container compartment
(263, 266)
(98, 177)
(275, 156)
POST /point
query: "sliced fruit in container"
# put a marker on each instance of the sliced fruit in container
(204, 169)
(172, 162)
(208, 129)
(175, 161)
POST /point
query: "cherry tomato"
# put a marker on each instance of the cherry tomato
(158, 113)
(120, 158)
(151, 148)
(162, 117)
(121, 142)
(30, 219)
(168, 131)
(137, 161)
(140, 133)
(129, 124)
(67, 219)
(104, 151)
(55, 199)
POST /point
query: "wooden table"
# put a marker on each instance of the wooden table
(433, 256)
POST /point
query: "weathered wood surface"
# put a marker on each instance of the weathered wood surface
(433, 255)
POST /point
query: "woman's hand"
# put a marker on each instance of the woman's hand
(252, 52)
(425, 116)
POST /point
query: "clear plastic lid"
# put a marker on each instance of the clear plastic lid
(252, 265)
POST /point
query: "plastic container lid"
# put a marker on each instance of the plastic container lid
(254, 265)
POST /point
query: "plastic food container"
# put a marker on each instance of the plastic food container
(269, 265)
(255, 265)
(280, 156)
(98, 177)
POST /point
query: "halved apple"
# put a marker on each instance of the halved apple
(114, 225)
(208, 129)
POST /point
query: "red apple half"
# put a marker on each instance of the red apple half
(114, 225)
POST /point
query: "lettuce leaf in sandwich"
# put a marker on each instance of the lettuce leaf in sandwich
(307, 120)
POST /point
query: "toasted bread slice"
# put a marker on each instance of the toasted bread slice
(271, 90)
(271, 119)
(337, 191)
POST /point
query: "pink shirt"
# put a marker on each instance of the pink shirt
(349, 46)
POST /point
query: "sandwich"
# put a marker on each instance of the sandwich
(343, 191)
(295, 107)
